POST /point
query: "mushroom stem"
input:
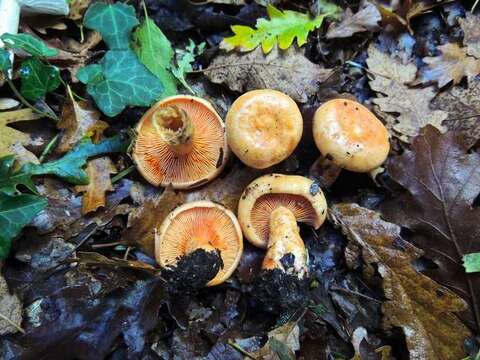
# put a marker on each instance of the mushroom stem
(285, 239)
(175, 128)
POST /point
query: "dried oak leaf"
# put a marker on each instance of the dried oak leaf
(390, 78)
(287, 71)
(442, 181)
(452, 65)
(417, 304)
(10, 310)
(471, 34)
(366, 19)
(98, 171)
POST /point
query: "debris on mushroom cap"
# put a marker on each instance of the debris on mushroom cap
(302, 196)
(264, 127)
(200, 225)
(350, 135)
(180, 142)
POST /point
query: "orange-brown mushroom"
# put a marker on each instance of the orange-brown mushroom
(263, 127)
(200, 225)
(180, 142)
(349, 135)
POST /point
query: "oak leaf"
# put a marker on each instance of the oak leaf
(390, 79)
(471, 34)
(417, 304)
(442, 181)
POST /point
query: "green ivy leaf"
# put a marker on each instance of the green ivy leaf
(283, 26)
(156, 53)
(38, 79)
(9, 179)
(471, 262)
(114, 22)
(184, 64)
(28, 43)
(120, 79)
(5, 63)
(15, 213)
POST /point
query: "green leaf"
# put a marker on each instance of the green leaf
(69, 167)
(281, 349)
(471, 262)
(28, 43)
(38, 79)
(326, 7)
(156, 53)
(15, 213)
(5, 63)
(184, 64)
(9, 179)
(120, 79)
(114, 22)
(283, 26)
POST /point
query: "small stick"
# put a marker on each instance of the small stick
(16, 326)
(240, 350)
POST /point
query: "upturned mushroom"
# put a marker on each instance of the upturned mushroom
(199, 243)
(263, 127)
(180, 142)
(350, 135)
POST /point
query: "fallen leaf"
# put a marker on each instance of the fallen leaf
(10, 310)
(364, 349)
(78, 8)
(452, 65)
(471, 34)
(391, 79)
(365, 19)
(282, 343)
(98, 171)
(287, 71)
(421, 307)
(96, 259)
(442, 180)
(184, 60)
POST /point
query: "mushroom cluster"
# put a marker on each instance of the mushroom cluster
(182, 142)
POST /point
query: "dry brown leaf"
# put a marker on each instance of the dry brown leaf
(282, 343)
(10, 310)
(471, 34)
(287, 71)
(366, 19)
(421, 307)
(452, 65)
(391, 78)
(78, 8)
(98, 171)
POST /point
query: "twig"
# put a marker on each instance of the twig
(240, 350)
(99, 246)
(16, 326)
(335, 288)
(123, 173)
(474, 6)
(48, 149)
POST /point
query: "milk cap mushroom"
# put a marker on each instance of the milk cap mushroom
(200, 225)
(263, 127)
(180, 142)
(350, 135)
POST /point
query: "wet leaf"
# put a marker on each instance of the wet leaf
(471, 34)
(287, 71)
(38, 79)
(98, 171)
(442, 181)
(10, 310)
(471, 262)
(421, 307)
(28, 43)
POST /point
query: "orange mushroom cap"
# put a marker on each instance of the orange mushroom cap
(200, 225)
(264, 127)
(204, 158)
(351, 136)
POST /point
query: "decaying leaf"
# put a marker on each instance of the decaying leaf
(442, 182)
(390, 78)
(365, 350)
(452, 65)
(10, 310)
(421, 307)
(287, 71)
(98, 171)
(96, 259)
(78, 8)
(366, 19)
(282, 343)
(471, 34)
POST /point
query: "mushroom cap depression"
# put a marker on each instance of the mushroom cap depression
(350, 135)
(263, 127)
(200, 224)
(299, 194)
(161, 166)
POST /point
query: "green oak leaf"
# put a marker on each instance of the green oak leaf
(113, 21)
(120, 79)
(69, 167)
(10, 179)
(16, 212)
(156, 53)
(38, 79)
(28, 43)
(184, 64)
(5, 63)
(471, 262)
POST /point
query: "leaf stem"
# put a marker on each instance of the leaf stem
(48, 149)
(123, 173)
(240, 350)
(16, 326)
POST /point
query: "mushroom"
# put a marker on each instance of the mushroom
(180, 142)
(350, 135)
(195, 229)
(263, 127)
